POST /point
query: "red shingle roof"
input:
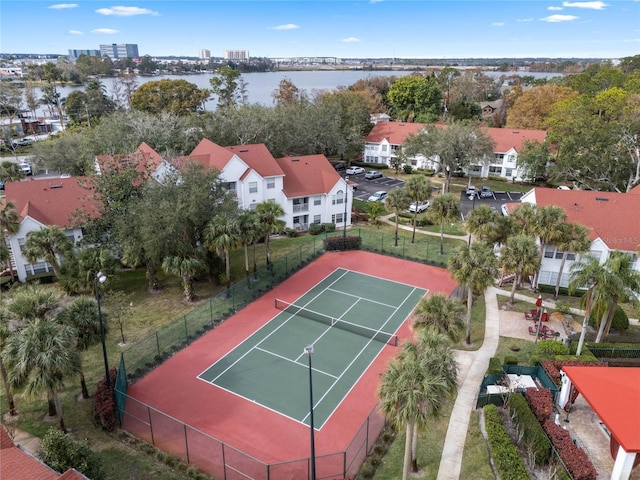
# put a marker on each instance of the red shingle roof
(307, 175)
(506, 138)
(16, 464)
(395, 132)
(51, 202)
(256, 156)
(611, 216)
(146, 159)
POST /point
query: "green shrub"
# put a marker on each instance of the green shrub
(408, 169)
(563, 308)
(316, 229)
(495, 366)
(505, 454)
(534, 437)
(329, 227)
(551, 347)
(510, 360)
(620, 320)
(61, 453)
(291, 232)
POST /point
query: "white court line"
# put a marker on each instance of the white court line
(354, 359)
(293, 361)
(360, 298)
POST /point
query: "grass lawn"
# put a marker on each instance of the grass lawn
(475, 459)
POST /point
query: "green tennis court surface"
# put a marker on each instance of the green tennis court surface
(348, 317)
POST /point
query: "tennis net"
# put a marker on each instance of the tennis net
(361, 330)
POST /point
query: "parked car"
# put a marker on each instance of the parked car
(1, 185)
(25, 167)
(419, 207)
(471, 191)
(339, 166)
(486, 192)
(22, 142)
(371, 174)
(378, 196)
(504, 209)
(354, 170)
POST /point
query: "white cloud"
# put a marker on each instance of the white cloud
(108, 31)
(286, 26)
(350, 40)
(497, 24)
(380, 1)
(75, 32)
(588, 5)
(61, 6)
(559, 18)
(125, 11)
(555, 9)
(522, 20)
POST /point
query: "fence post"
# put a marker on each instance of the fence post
(224, 463)
(344, 464)
(286, 265)
(158, 343)
(381, 242)
(211, 310)
(153, 442)
(366, 439)
(186, 442)
(186, 329)
(403, 243)
(300, 254)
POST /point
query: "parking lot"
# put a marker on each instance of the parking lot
(497, 199)
(367, 187)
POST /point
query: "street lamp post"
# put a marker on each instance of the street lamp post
(308, 350)
(101, 278)
(539, 305)
(473, 207)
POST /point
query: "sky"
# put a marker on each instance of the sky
(340, 28)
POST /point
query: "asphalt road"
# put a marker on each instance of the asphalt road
(367, 187)
(496, 201)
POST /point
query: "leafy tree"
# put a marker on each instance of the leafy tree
(250, 232)
(83, 317)
(48, 243)
(444, 208)
(519, 255)
(147, 66)
(375, 209)
(4, 335)
(225, 85)
(269, 213)
(418, 190)
(39, 356)
(354, 119)
(61, 453)
(464, 110)
(124, 86)
(169, 96)
(90, 105)
(533, 160)
(397, 200)
(454, 146)
(573, 238)
(187, 268)
(221, 236)
(481, 222)
(287, 93)
(9, 224)
(415, 98)
(10, 172)
(11, 101)
(475, 266)
(52, 98)
(442, 314)
(533, 107)
(375, 89)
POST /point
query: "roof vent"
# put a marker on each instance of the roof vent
(602, 199)
(295, 159)
(55, 185)
(244, 150)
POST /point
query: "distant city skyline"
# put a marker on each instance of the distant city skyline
(343, 29)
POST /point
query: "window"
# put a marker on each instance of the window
(337, 218)
(511, 158)
(317, 200)
(338, 198)
(549, 251)
(476, 168)
(495, 170)
(384, 148)
(317, 219)
(253, 187)
(499, 157)
(508, 172)
(271, 183)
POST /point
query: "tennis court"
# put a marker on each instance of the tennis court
(348, 317)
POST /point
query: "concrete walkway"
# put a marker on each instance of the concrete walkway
(473, 366)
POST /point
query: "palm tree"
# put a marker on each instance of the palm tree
(249, 231)
(31, 301)
(475, 266)
(439, 313)
(525, 216)
(481, 222)
(444, 208)
(48, 243)
(419, 190)
(269, 213)
(83, 317)
(10, 172)
(505, 226)
(408, 393)
(222, 235)
(397, 200)
(548, 227)
(573, 238)
(186, 268)
(9, 224)
(519, 256)
(4, 335)
(39, 356)
(612, 282)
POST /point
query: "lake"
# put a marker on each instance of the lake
(261, 85)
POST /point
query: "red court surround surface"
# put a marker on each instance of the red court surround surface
(614, 394)
(174, 388)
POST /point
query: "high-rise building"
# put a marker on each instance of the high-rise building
(242, 55)
(122, 50)
(75, 53)
(205, 54)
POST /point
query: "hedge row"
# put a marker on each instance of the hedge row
(342, 243)
(575, 459)
(505, 454)
(540, 402)
(534, 437)
(552, 367)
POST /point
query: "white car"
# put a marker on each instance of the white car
(378, 196)
(25, 167)
(354, 170)
(419, 207)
